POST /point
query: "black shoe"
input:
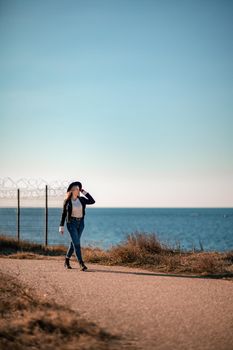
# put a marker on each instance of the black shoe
(67, 263)
(83, 267)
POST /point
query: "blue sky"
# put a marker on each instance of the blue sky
(132, 98)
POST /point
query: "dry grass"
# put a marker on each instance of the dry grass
(10, 245)
(28, 322)
(138, 250)
(145, 250)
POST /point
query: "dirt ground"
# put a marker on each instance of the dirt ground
(153, 310)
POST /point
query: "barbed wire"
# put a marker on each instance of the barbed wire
(32, 187)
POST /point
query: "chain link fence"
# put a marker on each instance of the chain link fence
(31, 208)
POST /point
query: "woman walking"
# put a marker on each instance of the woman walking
(73, 212)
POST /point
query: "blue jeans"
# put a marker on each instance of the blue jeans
(75, 228)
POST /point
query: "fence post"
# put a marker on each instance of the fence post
(18, 214)
(46, 215)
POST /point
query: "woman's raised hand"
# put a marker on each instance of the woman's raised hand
(83, 191)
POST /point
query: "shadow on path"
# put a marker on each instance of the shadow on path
(153, 274)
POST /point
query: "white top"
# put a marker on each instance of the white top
(77, 208)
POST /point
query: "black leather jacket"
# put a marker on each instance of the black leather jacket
(67, 207)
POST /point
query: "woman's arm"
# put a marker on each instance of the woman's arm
(89, 199)
(63, 216)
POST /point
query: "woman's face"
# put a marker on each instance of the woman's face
(75, 191)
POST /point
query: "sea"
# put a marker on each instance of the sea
(210, 229)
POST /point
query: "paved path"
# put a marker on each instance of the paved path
(158, 312)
